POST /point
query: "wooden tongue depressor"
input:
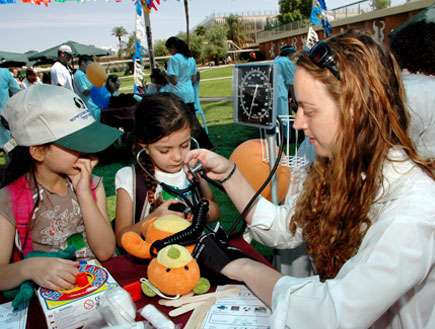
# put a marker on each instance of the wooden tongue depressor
(184, 308)
(164, 301)
(232, 290)
(198, 315)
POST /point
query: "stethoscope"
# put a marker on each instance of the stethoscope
(181, 193)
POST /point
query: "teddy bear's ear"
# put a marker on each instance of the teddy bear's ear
(135, 245)
(146, 225)
(202, 286)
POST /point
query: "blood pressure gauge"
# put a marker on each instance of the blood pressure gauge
(255, 96)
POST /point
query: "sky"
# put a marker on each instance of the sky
(27, 27)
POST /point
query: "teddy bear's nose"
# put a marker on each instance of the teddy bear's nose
(174, 253)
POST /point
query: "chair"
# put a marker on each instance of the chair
(198, 110)
(201, 112)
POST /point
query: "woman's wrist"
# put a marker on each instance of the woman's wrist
(230, 173)
(235, 269)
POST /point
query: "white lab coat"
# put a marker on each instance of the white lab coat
(389, 283)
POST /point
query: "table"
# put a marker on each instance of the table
(127, 269)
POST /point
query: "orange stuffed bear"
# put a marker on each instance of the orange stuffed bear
(154, 229)
(174, 271)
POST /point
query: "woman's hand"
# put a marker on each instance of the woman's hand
(53, 273)
(217, 166)
(82, 180)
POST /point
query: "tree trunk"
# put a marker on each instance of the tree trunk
(120, 48)
(186, 11)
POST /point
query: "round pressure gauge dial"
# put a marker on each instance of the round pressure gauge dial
(254, 102)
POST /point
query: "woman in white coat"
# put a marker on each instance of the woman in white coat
(367, 210)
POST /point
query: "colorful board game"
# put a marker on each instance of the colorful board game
(70, 309)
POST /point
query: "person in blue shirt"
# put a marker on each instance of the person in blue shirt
(285, 73)
(8, 86)
(180, 72)
(82, 86)
(158, 84)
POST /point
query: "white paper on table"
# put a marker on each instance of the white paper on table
(13, 319)
(244, 310)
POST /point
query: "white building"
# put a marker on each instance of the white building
(256, 20)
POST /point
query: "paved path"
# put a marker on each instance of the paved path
(215, 99)
(220, 78)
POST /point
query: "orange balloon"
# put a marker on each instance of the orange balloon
(249, 160)
(96, 74)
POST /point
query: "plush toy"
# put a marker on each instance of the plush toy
(152, 230)
(23, 294)
(175, 272)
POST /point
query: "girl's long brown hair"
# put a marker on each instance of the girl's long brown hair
(333, 209)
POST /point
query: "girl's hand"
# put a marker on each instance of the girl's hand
(82, 180)
(53, 273)
(217, 166)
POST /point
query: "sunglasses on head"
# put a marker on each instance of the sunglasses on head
(322, 55)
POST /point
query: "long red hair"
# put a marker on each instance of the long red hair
(333, 209)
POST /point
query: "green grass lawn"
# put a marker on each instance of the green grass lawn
(217, 88)
(216, 72)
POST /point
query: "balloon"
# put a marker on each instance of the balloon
(96, 74)
(249, 160)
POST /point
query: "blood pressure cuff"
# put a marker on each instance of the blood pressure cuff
(212, 253)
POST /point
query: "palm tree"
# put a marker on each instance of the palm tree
(130, 46)
(237, 30)
(200, 30)
(186, 12)
(119, 32)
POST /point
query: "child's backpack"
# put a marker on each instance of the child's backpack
(22, 207)
(140, 190)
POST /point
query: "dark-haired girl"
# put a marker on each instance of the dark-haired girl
(181, 74)
(51, 200)
(162, 131)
